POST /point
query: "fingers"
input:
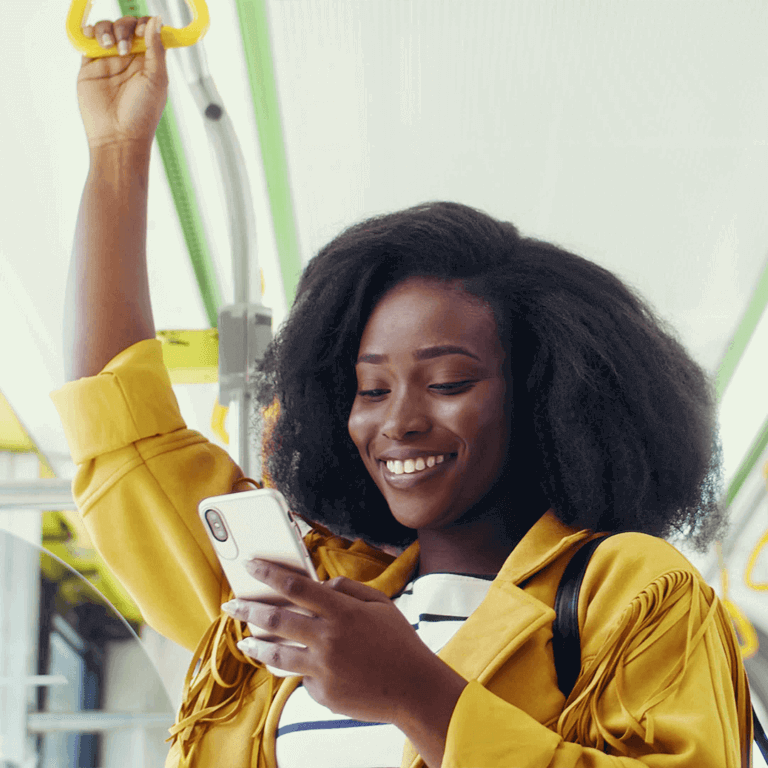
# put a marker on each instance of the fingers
(299, 589)
(357, 590)
(293, 661)
(120, 32)
(274, 619)
(155, 48)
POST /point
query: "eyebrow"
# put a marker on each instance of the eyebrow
(428, 353)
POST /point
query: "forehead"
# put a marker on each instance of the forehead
(420, 312)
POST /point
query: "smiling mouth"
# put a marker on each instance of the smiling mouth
(415, 467)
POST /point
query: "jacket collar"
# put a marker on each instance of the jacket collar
(544, 542)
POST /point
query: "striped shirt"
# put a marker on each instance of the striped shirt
(436, 605)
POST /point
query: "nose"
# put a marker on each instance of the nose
(405, 416)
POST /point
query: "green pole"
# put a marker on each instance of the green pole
(254, 26)
(177, 171)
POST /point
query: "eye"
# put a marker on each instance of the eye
(372, 394)
(453, 387)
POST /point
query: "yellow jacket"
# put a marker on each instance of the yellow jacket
(661, 685)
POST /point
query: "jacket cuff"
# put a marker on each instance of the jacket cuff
(485, 730)
(130, 399)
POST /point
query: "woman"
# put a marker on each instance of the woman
(469, 407)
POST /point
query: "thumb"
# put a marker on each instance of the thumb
(155, 56)
(357, 590)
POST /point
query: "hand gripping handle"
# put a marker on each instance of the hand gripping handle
(172, 37)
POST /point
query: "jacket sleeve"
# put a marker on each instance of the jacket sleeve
(140, 476)
(661, 684)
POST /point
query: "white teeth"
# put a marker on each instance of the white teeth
(409, 466)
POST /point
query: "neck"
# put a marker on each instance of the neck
(480, 542)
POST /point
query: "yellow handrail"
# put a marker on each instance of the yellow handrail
(172, 36)
(218, 421)
(758, 586)
(745, 632)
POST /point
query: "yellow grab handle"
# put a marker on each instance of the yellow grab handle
(172, 37)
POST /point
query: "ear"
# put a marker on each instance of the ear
(357, 590)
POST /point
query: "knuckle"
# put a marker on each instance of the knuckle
(328, 636)
(124, 27)
(104, 33)
(273, 618)
(275, 655)
(293, 586)
(337, 633)
(263, 569)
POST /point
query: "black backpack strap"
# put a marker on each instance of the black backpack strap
(566, 643)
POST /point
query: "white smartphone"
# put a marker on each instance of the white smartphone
(242, 526)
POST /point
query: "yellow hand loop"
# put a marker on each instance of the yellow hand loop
(172, 36)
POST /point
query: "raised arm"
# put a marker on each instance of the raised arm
(107, 305)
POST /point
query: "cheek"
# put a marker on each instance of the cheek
(487, 423)
(356, 426)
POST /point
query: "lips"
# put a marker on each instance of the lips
(402, 473)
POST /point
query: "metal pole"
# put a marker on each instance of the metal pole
(244, 327)
(41, 495)
(94, 722)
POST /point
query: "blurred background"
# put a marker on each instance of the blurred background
(632, 132)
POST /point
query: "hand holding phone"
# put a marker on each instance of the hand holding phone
(256, 524)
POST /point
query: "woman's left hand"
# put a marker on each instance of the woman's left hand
(362, 657)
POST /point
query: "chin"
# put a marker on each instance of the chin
(422, 519)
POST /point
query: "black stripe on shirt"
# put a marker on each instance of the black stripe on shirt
(430, 618)
(322, 725)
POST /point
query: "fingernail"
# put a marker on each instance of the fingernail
(231, 606)
(140, 30)
(107, 41)
(123, 48)
(159, 24)
(248, 645)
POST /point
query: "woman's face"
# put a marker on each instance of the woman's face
(429, 415)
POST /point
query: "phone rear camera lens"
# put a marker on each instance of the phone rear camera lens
(216, 525)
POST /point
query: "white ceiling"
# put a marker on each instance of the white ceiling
(633, 132)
